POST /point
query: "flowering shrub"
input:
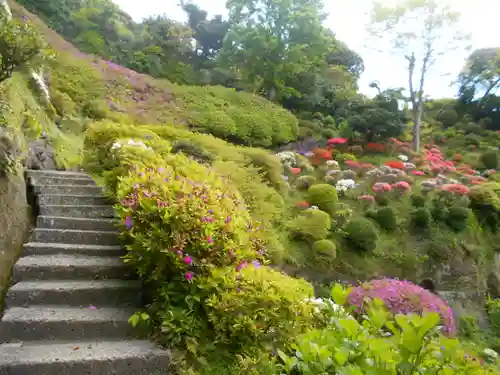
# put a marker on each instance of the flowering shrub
(456, 189)
(402, 157)
(180, 226)
(403, 297)
(344, 185)
(324, 196)
(367, 198)
(395, 164)
(287, 158)
(302, 205)
(417, 173)
(402, 186)
(295, 171)
(322, 154)
(375, 147)
(380, 187)
(337, 141)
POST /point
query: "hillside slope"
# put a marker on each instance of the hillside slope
(84, 85)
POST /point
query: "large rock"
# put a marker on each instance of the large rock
(41, 155)
(15, 224)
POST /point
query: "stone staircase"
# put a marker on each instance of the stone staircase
(71, 296)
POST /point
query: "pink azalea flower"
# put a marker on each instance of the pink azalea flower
(417, 173)
(189, 276)
(188, 260)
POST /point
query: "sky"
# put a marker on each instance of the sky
(348, 18)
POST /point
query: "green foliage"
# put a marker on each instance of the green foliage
(489, 159)
(244, 309)
(303, 183)
(324, 253)
(417, 200)
(361, 234)
(485, 201)
(324, 196)
(421, 218)
(329, 120)
(472, 140)
(468, 326)
(194, 150)
(21, 45)
(270, 28)
(311, 225)
(457, 218)
(493, 309)
(236, 116)
(386, 218)
(408, 344)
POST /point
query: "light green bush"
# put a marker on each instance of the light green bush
(489, 159)
(312, 225)
(305, 182)
(324, 196)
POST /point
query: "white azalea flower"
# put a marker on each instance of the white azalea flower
(402, 157)
(344, 185)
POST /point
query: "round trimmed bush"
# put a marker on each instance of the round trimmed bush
(420, 218)
(490, 159)
(417, 200)
(318, 116)
(324, 196)
(329, 120)
(328, 133)
(361, 234)
(312, 225)
(386, 218)
(305, 182)
(403, 297)
(325, 248)
(457, 218)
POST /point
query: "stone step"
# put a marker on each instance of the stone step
(73, 200)
(132, 357)
(55, 173)
(84, 237)
(70, 267)
(77, 223)
(68, 189)
(60, 180)
(64, 323)
(41, 248)
(78, 211)
(85, 293)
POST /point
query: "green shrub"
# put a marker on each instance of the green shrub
(191, 149)
(305, 182)
(329, 120)
(258, 308)
(472, 140)
(238, 117)
(457, 218)
(438, 137)
(417, 200)
(493, 309)
(485, 201)
(328, 133)
(361, 234)
(324, 253)
(312, 225)
(468, 326)
(63, 103)
(268, 165)
(420, 218)
(343, 157)
(358, 151)
(318, 116)
(324, 196)
(386, 218)
(305, 132)
(489, 159)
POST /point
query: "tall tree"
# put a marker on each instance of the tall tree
(270, 40)
(481, 74)
(422, 31)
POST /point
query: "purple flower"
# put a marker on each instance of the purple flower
(210, 240)
(129, 222)
(179, 253)
(189, 276)
(228, 220)
(242, 265)
(256, 263)
(188, 259)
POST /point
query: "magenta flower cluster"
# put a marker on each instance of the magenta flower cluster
(403, 297)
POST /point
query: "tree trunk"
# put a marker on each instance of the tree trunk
(417, 119)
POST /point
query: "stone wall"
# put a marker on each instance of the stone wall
(15, 222)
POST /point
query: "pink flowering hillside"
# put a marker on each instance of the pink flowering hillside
(403, 297)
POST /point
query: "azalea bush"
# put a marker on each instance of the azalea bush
(361, 234)
(311, 225)
(403, 297)
(324, 196)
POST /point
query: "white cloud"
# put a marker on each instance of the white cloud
(348, 19)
